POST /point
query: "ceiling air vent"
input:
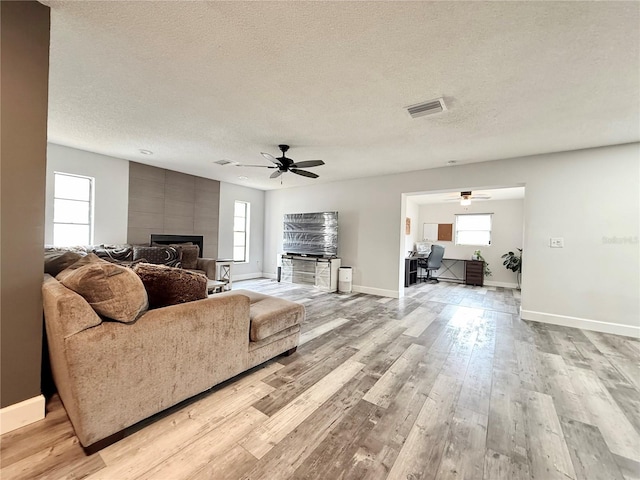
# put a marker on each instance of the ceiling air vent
(427, 108)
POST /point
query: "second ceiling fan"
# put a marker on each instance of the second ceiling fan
(284, 164)
(466, 197)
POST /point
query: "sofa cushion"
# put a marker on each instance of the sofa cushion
(56, 261)
(159, 255)
(170, 286)
(113, 291)
(270, 315)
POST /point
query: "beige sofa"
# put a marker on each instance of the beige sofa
(111, 375)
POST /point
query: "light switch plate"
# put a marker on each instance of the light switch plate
(556, 242)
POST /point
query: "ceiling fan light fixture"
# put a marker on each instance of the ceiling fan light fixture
(284, 164)
(465, 202)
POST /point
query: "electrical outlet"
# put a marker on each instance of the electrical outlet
(556, 242)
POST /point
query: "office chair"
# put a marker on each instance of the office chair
(432, 262)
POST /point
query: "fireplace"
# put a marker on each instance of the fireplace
(164, 239)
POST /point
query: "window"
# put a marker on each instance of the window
(72, 210)
(241, 232)
(473, 229)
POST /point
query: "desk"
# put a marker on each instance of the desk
(470, 272)
(452, 270)
(410, 271)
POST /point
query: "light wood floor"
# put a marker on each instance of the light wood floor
(445, 383)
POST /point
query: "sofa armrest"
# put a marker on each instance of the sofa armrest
(66, 312)
(207, 265)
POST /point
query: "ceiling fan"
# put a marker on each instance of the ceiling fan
(284, 164)
(466, 197)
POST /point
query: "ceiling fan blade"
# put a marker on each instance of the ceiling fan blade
(308, 163)
(276, 174)
(271, 158)
(261, 166)
(304, 173)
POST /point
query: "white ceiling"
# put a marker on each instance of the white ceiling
(197, 82)
(494, 194)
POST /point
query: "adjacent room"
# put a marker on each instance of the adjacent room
(320, 240)
(483, 225)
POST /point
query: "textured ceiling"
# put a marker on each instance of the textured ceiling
(197, 82)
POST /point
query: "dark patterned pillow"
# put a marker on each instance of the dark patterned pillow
(161, 255)
(169, 286)
(114, 253)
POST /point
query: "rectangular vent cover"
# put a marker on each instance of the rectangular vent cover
(223, 162)
(427, 108)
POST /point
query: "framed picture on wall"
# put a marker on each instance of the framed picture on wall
(407, 227)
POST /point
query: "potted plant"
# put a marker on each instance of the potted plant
(513, 262)
(477, 255)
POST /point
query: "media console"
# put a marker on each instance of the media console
(318, 271)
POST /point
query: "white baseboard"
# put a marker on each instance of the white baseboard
(21, 414)
(356, 288)
(247, 276)
(375, 291)
(489, 283)
(584, 323)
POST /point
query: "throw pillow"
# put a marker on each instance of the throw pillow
(170, 286)
(189, 255)
(55, 262)
(86, 260)
(164, 255)
(114, 253)
(113, 291)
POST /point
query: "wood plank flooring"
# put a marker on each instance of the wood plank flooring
(445, 383)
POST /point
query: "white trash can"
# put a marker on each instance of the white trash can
(345, 279)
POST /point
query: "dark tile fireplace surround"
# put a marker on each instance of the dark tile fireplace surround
(164, 239)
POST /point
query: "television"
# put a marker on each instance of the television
(313, 234)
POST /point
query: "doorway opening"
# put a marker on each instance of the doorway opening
(472, 225)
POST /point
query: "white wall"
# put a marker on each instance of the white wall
(413, 213)
(589, 197)
(229, 193)
(506, 233)
(369, 221)
(111, 194)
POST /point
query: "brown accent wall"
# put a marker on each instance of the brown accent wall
(24, 43)
(164, 201)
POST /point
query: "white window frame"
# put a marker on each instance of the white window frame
(90, 201)
(457, 229)
(247, 212)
